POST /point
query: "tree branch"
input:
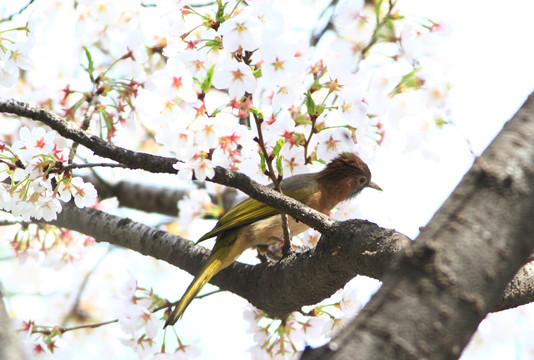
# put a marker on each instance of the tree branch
(134, 160)
(150, 197)
(455, 272)
(520, 290)
(368, 259)
(20, 11)
(159, 164)
(356, 247)
(328, 13)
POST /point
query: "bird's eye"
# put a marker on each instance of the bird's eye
(362, 180)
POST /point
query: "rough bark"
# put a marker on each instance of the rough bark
(152, 198)
(454, 273)
(354, 247)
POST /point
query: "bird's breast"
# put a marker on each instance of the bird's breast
(269, 231)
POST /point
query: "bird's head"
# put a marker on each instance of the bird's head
(347, 171)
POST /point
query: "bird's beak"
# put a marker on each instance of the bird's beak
(374, 186)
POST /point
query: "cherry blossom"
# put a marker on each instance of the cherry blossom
(201, 168)
(235, 76)
(352, 106)
(134, 317)
(197, 202)
(34, 142)
(193, 61)
(207, 133)
(8, 72)
(286, 95)
(181, 81)
(272, 20)
(20, 54)
(333, 141)
(47, 208)
(348, 12)
(242, 31)
(84, 193)
(175, 139)
(350, 304)
(280, 65)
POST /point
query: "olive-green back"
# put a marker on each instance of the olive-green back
(298, 187)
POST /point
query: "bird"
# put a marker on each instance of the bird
(253, 224)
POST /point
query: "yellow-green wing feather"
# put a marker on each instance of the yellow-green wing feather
(244, 213)
(250, 211)
(217, 260)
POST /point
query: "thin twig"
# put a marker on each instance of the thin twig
(81, 166)
(329, 25)
(174, 303)
(10, 17)
(379, 24)
(276, 183)
(208, 293)
(85, 124)
(313, 119)
(12, 222)
(62, 330)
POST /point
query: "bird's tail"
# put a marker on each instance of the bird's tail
(215, 262)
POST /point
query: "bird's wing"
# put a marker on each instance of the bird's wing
(244, 213)
(250, 211)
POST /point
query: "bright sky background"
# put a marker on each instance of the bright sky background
(491, 56)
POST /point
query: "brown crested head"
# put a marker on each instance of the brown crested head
(348, 172)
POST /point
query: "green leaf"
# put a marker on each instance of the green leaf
(90, 65)
(440, 121)
(408, 82)
(278, 147)
(263, 165)
(206, 84)
(279, 166)
(319, 109)
(378, 6)
(310, 104)
(256, 112)
(220, 11)
(215, 112)
(215, 43)
(257, 73)
(75, 107)
(386, 32)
